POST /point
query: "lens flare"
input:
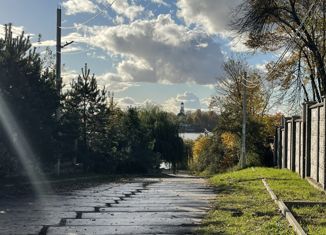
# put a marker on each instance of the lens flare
(23, 150)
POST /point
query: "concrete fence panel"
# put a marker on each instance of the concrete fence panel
(301, 143)
(283, 148)
(314, 151)
(302, 149)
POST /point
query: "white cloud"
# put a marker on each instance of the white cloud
(46, 43)
(67, 76)
(261, 67)
(101, 57)
(190, 100)
(71, 49)
(113, 82)
(126, 102)
(160, 50)
(75, 36)
(237, 44)
(16, 31)
(119, 20)
(205, 102)
(149, 102)
(126, 9)
(110, 81)
(213, 15)
(160, 2)
(73, 7)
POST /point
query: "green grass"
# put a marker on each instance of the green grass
(311, 218)
(288, 186)
(243, 205)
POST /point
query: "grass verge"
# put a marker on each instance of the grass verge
(243, 205)
(288, 186)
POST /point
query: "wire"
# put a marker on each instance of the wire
(90, 19)
(75, 52)
(85, 22)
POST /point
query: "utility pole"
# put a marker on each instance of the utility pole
(243, 160)
(58, 71)
(58, 54)
(58, 77)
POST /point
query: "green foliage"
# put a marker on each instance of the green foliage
(223, 150)
(200, 120)
(137, 144)
(30, 95)
(83, 125)
(164, 130)
(207, 155)
(110, 140)
(253, 159)
(85, 118)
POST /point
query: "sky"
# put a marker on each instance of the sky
(145, 51)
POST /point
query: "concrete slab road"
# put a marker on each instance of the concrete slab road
(173, 205)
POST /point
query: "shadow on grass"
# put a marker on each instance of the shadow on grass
(225, 189)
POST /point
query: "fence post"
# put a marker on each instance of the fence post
(318, 142)
(324, 132)
(304, 140)
(307, 128)
(279, 147)
(275, 149)
(292, 143)
(285, 144)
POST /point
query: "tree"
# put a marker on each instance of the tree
(298, 26)
(229, 100)
(85, 115)
(164, 129)
(199, 120)
(137, 144)
(29, 93)
(208, 155)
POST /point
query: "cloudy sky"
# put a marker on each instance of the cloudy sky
(145, 51)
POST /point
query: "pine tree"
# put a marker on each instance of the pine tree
(29, 93)
(85, 114)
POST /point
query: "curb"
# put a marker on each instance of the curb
(285, 211)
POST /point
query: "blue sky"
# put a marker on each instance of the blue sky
(158, 51)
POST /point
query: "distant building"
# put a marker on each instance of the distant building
(182, 110)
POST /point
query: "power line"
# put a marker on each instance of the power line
(84, 23)
(91, 18)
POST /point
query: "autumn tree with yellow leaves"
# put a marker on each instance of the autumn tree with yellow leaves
(221, 150)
